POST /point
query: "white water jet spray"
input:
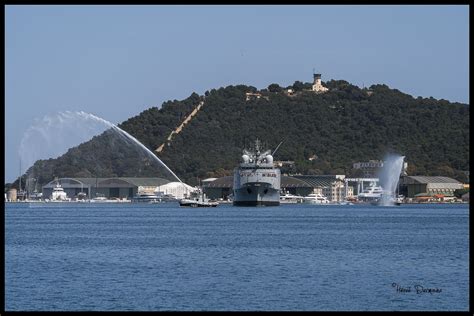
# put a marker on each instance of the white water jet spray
(130, 137)
(389, 177)
(53, 136)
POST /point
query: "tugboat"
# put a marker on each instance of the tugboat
(197, 199)
(256, 180)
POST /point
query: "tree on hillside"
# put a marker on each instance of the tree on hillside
(274, 88)
(298, 86)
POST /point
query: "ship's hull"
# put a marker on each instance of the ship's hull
(256, 180)
(256, 194)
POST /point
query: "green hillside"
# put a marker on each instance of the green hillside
(340, 127)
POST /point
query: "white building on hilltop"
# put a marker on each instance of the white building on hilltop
(317, 86)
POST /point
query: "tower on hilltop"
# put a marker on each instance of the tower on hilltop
(317, 86)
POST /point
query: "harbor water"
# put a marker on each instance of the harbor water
(133, 257)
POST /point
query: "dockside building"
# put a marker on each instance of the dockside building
(429, 186)
(120, 188)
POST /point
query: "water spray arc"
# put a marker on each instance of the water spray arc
(54, 135)
(130, 137)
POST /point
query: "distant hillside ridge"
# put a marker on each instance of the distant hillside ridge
(337, 128)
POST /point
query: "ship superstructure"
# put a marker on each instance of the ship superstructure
(256, 180)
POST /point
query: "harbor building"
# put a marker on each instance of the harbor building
(12, 195)
(414, 186)
(252, 96)
(371, 168)
(218, 188)
(121, 188)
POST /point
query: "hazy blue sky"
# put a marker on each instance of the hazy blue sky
(116, 61)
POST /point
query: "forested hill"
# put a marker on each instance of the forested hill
(337, 128)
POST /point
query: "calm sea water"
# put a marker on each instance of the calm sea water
(102, 257)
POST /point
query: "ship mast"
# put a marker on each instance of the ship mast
(257, 150)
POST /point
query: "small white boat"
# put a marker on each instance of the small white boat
(345, 203)
(315, 198)
(81, 197)
(290, 198)
(371, 194)
(145, 197)
(100, 198)
(164, 197)
(400, 199)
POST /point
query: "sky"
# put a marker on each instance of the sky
(117, 61)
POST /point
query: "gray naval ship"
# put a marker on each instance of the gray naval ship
(256, 180)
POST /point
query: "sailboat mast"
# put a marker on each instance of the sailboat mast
(20, 176)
